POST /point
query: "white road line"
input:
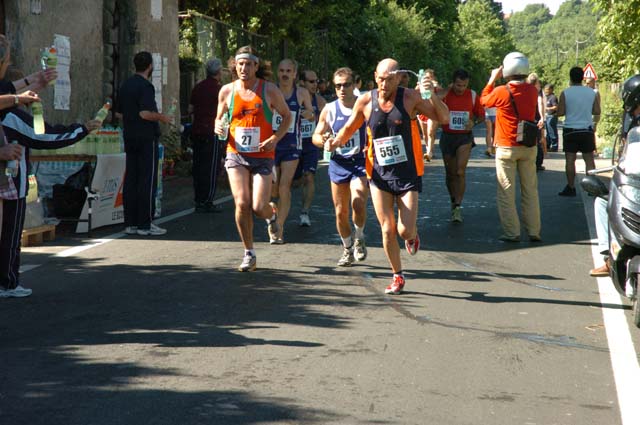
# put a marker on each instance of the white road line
(97, 242)
(26, 267)
(624, 360)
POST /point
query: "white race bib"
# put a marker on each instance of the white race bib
(247, 139)
(458, 120)
(390, 150)
(306, 128)
(352, 146)
(277, 120)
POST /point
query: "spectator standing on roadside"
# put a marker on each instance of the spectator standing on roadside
(513, 159)
(551, 118)
(137, 105)
(207, 149)
(580, 105)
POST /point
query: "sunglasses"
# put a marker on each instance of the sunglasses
(345, 85)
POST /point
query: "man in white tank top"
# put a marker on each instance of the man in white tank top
(581, 108)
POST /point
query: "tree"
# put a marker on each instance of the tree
(524, 27)
(618, 38)
(483, 37)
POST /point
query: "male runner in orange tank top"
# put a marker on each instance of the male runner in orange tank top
(251, 101)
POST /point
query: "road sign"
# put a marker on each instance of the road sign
(589, 72)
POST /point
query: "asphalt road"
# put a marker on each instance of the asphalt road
(164, 331)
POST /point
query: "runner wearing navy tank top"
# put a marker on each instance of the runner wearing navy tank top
(289, 148)
(394, 158)
(306, 171)
(346, 168)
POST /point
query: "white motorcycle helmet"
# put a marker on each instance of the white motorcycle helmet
(515, 63)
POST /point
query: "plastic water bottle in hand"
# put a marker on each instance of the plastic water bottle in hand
(171, 112)
(38, 119)
(12, 165)
(225, 127)
(103, 112)
(425, 94)
(50, 60)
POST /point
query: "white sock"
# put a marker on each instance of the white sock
(347, 242)
(251, 252)
(359, 232)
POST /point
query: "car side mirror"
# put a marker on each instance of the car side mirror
(594, 186)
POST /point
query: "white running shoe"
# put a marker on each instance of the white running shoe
(249, 263)
(17, 292)
(360, 250)
(131, 230)
(347, 258)
(304, 220)
(153, 230)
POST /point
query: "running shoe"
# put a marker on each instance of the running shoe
(131, 230)
(272, 225)
(360, 250)
(17, 292)
(395, 288)
(276, 240)
(153, 230)
(456, 215)
(347, 258)
(248, 263)
(304, 220)
(413, 245)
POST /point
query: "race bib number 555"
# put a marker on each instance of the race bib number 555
(390, 150)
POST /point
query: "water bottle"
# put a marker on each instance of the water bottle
(172, 110)
(425, 94)
(225, 127)
(50, 60)
(38, 119)
(103, 112)
(12, 165)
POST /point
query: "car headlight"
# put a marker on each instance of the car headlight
(632, 193)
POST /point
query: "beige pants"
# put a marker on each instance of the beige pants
(520, 162)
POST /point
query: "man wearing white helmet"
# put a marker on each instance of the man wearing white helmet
(515, 103)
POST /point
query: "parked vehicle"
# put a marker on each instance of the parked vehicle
(623, 211)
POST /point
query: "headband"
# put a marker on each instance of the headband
(249, 56)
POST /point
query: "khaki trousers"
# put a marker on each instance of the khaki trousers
(511, 163)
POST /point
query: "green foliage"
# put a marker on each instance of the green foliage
(550, 41)
(483, 38)
(611, 106)
(618, 38)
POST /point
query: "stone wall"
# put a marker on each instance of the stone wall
(104, 36)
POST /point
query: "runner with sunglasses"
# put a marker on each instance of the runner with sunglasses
(346, 168)
(306, 172)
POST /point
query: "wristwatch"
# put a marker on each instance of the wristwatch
(16, 100)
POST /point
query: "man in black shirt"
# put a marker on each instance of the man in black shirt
(137, 106)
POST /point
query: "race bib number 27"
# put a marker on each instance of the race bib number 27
(247, 139)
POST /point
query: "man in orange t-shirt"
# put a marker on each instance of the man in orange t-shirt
(512, 157)
(456, 140)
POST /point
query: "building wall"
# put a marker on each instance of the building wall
(89, 24)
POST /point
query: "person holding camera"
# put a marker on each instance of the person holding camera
(515, 103)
